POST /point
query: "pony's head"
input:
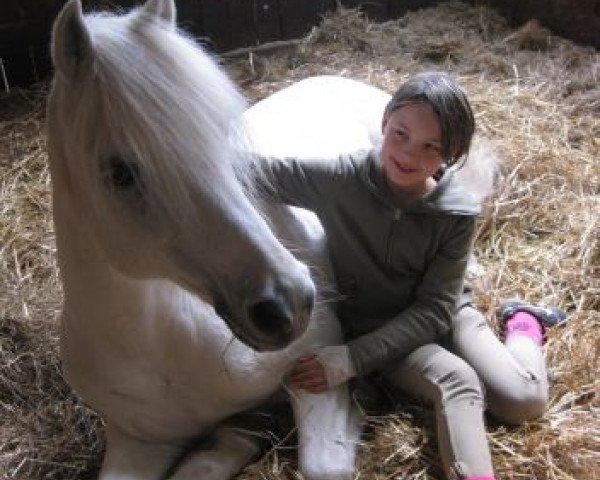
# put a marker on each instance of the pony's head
(140, 122)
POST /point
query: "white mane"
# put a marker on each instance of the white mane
(178, 106)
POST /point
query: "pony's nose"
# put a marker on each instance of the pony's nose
(274, 318)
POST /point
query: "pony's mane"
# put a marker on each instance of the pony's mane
(163, 103)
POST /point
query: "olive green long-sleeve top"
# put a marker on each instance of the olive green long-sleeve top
(400, 271)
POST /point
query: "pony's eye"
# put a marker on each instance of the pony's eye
(121, 173)
(123, 180)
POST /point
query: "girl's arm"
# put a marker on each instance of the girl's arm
(302, 182)
(430, 315)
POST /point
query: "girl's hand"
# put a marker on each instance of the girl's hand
(330, 367)
(309, 374)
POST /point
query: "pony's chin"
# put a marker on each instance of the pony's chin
(256, 342)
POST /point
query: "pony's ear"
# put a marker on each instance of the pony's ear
(71, 41)
(163, 9)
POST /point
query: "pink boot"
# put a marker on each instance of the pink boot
(523, 324)
(524, 319)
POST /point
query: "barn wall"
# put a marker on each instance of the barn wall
(578, 20)
(25, 24)
(24, 27)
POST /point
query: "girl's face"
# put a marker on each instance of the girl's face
(411, 152)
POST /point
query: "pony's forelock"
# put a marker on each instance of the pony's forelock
(165, 104)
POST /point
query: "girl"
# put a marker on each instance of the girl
(399, 228)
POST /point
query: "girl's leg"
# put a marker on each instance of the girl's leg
(514, 373)
(435, 375)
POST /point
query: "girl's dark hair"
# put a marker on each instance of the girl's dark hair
(450, 103)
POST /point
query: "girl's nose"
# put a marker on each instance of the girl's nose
(407, 151)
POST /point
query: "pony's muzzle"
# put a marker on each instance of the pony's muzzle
(279, 319)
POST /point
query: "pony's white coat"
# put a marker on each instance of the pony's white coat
(348, 119)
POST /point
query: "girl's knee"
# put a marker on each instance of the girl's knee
(461, 384)
(437, 376)
(520, 407)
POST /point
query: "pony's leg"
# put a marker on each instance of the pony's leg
(328, 432)
(232, 450)
(128, 458)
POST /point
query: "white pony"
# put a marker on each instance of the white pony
(165, 255)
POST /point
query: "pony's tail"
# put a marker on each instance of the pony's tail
(480, 171)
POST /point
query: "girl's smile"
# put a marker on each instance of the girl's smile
(405, 170)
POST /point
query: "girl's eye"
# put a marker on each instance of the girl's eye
(400, 133)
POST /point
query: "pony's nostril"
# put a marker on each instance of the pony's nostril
(273, 319)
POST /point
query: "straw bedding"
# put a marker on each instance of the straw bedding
(534, 94)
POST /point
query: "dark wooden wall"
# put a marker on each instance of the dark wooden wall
(25, 24)
(578, 20)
